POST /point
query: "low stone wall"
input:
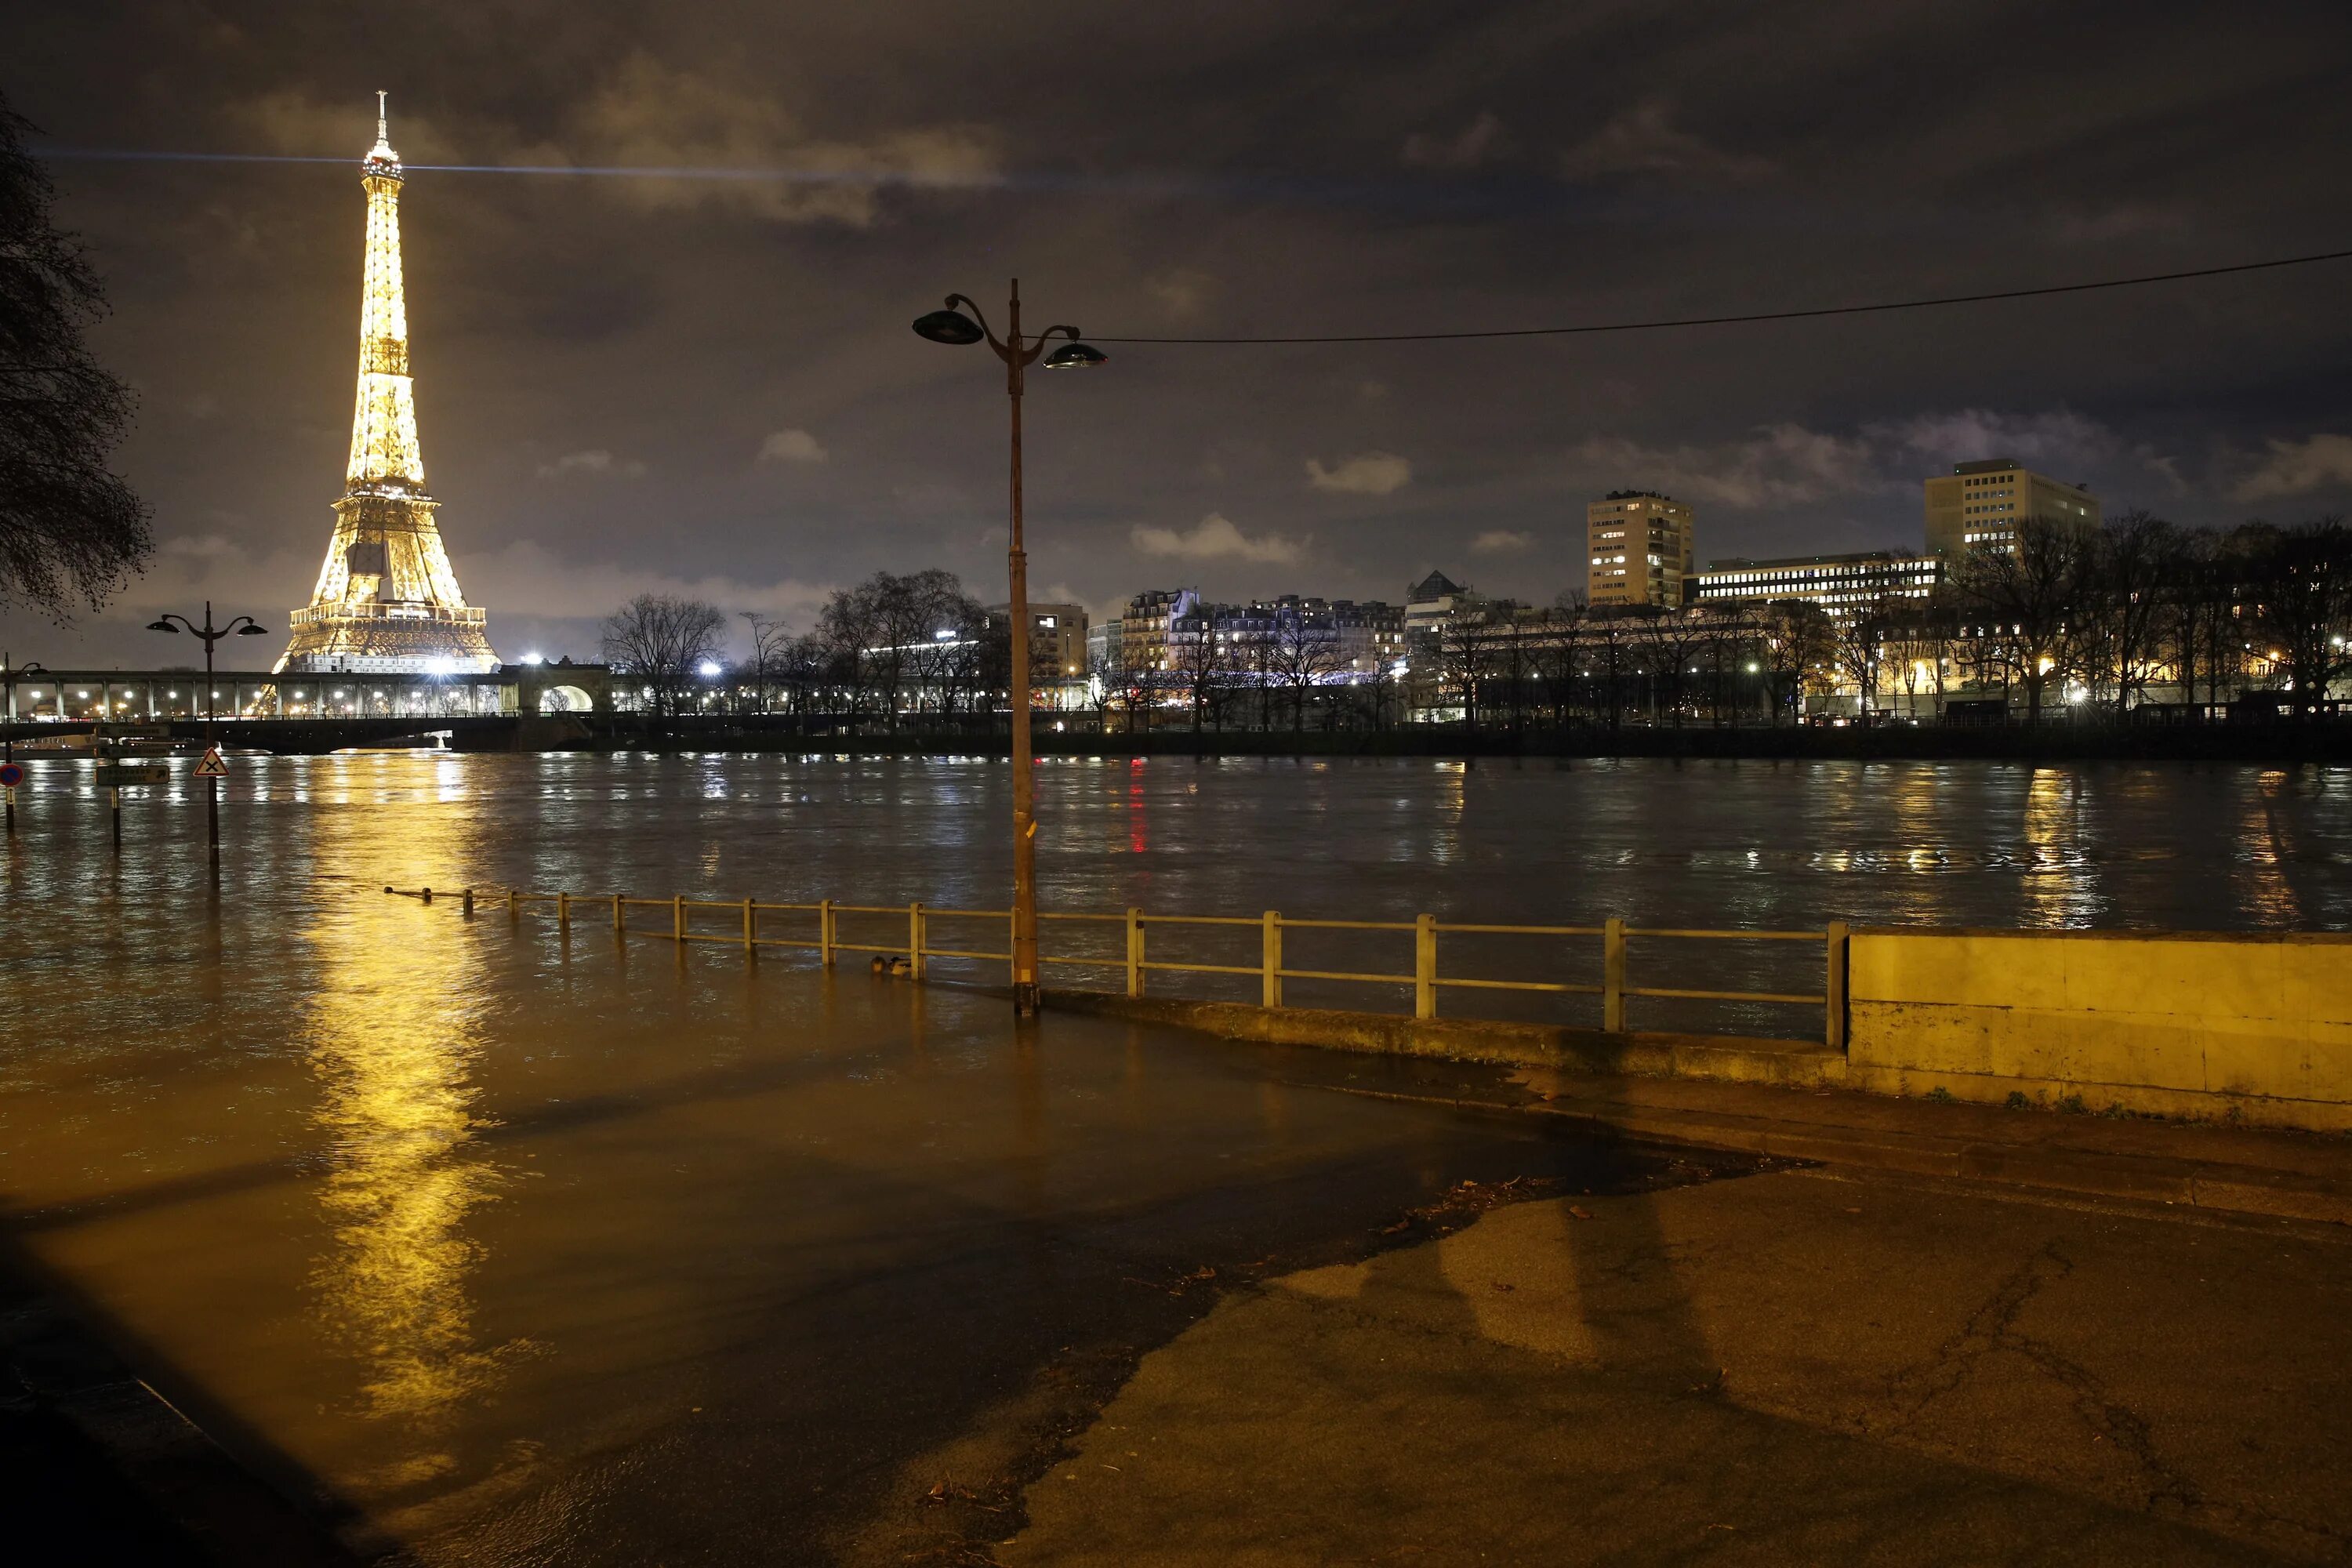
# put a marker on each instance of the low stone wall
(2257, 1028)
(1799, 1063)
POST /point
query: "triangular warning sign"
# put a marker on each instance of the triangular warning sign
(212, 767)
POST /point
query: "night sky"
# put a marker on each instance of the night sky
(709, 385)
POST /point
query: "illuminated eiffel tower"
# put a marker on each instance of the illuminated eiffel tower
(387, 600)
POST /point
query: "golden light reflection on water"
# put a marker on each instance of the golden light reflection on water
(2060, 882)
(393, 1046)
(2266, 840)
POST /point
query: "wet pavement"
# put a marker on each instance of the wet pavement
(532, 1250)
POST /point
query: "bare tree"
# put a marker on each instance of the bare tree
(2306, 580)
(1199, 662)
(72, 531)
(1796, 649)
(2131, 565)
(663, 642)
(1305, 655)
(2029, 602)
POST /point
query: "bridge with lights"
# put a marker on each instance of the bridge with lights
(299, 712)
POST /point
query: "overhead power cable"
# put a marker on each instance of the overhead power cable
(1669, 321)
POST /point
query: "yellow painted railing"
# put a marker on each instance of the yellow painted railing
(744, 929)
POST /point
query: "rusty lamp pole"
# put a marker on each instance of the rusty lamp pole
(953, 327)
(244, 626)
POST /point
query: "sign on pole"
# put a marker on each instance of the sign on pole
(11, 774)
(212, 767)
(118, 775)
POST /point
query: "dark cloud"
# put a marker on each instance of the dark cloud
(1215, 169)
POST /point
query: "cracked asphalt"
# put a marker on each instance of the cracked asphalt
(1790, 1367)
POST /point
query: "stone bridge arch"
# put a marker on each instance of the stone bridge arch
(563, 689)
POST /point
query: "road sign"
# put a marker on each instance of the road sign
(12, 774)
(212, 767)
(116, 776)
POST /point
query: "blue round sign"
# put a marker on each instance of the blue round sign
(11, 775)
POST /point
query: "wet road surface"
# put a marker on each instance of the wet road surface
(536, 1252)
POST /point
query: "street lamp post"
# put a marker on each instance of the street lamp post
(11, 673)
(244, 626)
(953, 327)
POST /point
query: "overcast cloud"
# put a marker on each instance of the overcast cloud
(701, 379)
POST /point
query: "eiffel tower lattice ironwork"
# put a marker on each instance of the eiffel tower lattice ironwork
(387, 599)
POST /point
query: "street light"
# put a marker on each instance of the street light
(951, 326)
(10, 673)
(243, 626)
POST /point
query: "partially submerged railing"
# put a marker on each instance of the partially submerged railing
(1136, 961)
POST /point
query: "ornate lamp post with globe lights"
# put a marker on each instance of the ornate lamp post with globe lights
(243, 626)
(953, 327)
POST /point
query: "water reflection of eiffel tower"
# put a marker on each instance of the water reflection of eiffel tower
(387, 599)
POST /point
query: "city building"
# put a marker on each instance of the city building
(1640, 550)
(1057, 640)
(1977, 505)
(1368, 635)
(387, 600)
(1144, 628)
(1103, 644)
(1432, 604)
(1840, 585)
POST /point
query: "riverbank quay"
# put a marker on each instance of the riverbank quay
(2282, 743)
(2252, 1029)
(1786, 1099)
(1803, 1367)
(2275, 743)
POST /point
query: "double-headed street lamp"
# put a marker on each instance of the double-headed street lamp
(243, 626)
(953, 327)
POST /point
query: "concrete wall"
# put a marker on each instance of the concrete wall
(2255, 1027)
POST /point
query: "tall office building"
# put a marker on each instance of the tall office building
(1977, 505)
(1641, 550)
(1842, 585)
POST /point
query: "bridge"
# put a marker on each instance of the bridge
(525, 706)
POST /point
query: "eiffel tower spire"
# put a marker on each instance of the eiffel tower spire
(387, 599)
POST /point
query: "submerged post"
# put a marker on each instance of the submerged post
(1270, 961)
(751, 926)
(825, 931)
(1425, 966)
(1835, 988)
(1134, 951)
(620, 918)
(677, 917)
(1612, 975)
(118, 817)
(563, 913)
(915, 940)
(469, 903)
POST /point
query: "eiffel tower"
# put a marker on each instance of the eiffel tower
(387, 599)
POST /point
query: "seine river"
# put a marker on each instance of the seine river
(542, 1250)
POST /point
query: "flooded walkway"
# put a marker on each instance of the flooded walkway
(541, 1252)
(536, 1252)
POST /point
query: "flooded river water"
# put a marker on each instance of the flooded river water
(542, 1250)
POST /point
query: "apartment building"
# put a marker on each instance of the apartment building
(1057, 640)
(1842, 585)
(1641, 550)
(1144, 627)
(1977, 505)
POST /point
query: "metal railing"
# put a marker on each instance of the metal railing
(1137, 961)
